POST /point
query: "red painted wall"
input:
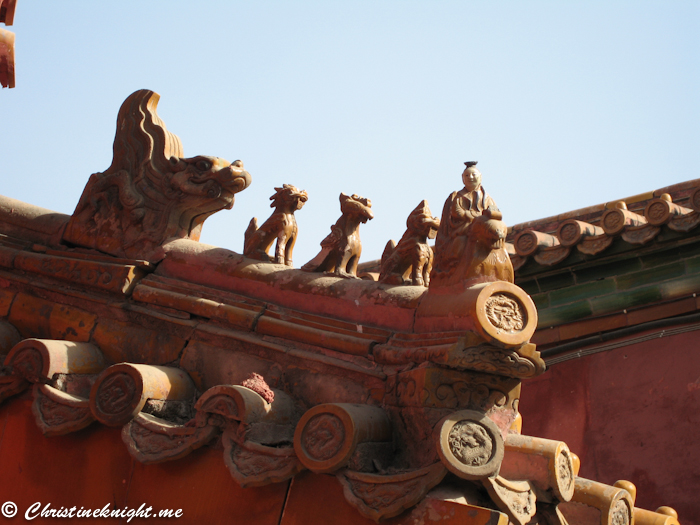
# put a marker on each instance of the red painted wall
(630, 413)
(91, 468)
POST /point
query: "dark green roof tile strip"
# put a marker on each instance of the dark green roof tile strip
(530, 287)
(621, 300)
(578, 292)
(610, 269)
(563, 314)
(660, 258)
(692, 265)
(617, 285)
(680, 287)
(541, 300)
(555, 282)
(652, 275)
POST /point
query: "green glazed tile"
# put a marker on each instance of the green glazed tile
(581, 291)
(622, 300)
(541, 300)
(563, 314)
(530, 287)
(659, 258)
(620, 267)
(555, 282)
(651, 275)
(690, 250)
(680, 287)
(692, 265)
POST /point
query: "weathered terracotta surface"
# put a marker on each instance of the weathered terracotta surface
(328, 435)
(547, 464)
(57, 412)
(362, 302)
(122, 390)
(150, 193)
(30, 223)
(330, 502)
(192, 350)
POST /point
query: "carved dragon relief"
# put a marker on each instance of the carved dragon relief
(150, 193)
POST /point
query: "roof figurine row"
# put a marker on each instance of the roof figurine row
(470, 231)
(152, 195)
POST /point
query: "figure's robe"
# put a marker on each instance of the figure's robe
(460, 209)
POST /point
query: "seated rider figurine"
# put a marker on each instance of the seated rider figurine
(460, 210)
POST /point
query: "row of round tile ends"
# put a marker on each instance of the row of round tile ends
(265, 441)
(592, 239)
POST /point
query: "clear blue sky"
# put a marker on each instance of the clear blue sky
(564, 104)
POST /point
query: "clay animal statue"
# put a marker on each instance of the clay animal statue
(413, 255)
(484, 257)
(150, 194)
(340, 251)
(281, 226)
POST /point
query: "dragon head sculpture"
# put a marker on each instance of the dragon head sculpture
(150, 194)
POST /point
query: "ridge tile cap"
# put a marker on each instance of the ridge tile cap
(598, 208)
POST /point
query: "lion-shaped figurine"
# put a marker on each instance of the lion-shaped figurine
(150, 194)
(281, 225)
(413, 254)
(340, 251)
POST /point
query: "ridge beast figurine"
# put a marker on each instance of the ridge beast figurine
(413, 254)
(470, 243)
(150, 193)
(340, 251)
(281, 225)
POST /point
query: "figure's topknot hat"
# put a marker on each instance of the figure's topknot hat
(471, 163)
